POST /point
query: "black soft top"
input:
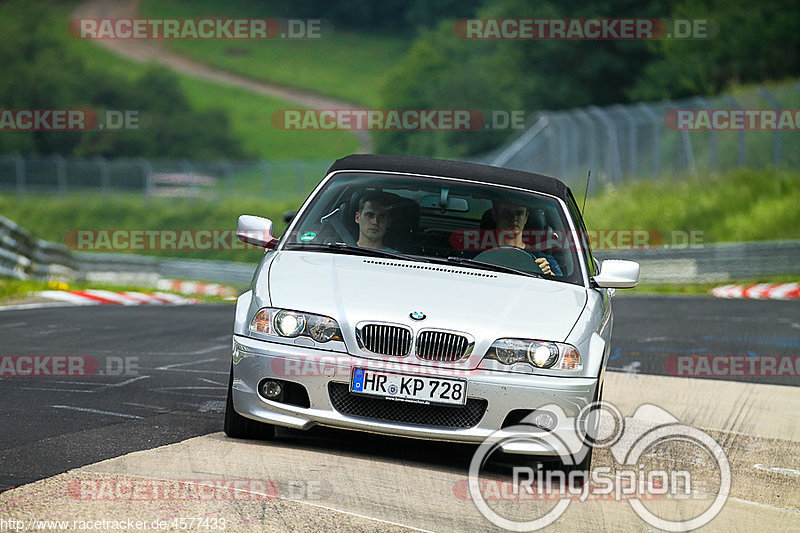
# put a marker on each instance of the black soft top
(453, 169)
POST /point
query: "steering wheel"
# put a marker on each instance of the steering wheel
(510, 256)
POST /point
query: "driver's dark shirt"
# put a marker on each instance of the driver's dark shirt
(550, 259)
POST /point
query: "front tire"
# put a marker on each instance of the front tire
(240, 427)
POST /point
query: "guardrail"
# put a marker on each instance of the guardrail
(22, 256)
(713, 263)
(132, 269)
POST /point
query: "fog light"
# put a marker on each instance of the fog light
(544, 420)
(271, 389)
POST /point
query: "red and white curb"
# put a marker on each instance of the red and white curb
(191, 287)
(100, 297)
(760, 291)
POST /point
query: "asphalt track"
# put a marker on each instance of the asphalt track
(173, 389)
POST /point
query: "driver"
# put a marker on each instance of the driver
(374, 219)
(511, 218)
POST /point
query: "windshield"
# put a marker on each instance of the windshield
(470, 224)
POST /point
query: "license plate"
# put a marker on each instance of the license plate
(419, 389)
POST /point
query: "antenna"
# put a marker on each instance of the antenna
(586, 193)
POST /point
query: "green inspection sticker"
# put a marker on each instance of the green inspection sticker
(308, 236)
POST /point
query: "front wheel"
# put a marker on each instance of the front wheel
(240, 427)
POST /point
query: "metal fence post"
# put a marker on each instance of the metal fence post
(563, 143)
(581, 115)
(686, 147)
(516, 146)
(189, 169)
(776, 138)
(61, 173)
(265, 168)
(741, 146)
(712, 135)
(227, 169)
(147, 175)
(631, 148)
(574, 136)
(612, 153)
(102, 166)
(298, 176)
(19, 171)
(655, 124)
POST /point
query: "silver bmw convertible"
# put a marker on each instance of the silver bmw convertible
(424, 298)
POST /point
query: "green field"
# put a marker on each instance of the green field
(250, 113)
(743, 205)
(342, 64)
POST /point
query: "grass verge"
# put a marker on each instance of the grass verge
(12, 290)
(701, 288)
(745, 205)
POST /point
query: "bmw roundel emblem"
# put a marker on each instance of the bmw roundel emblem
(417, 315)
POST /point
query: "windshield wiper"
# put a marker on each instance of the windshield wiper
(344, 247)
(492, 266)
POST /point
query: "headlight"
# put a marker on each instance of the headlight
(539, 354)
(286, 323)
(289, 323)
(322, 328)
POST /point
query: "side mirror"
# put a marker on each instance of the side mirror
(617, 274)
(256, 230)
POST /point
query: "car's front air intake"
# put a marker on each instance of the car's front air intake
(386, 339)
(441, 346)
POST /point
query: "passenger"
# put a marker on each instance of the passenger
(511, 218)
(374, 219)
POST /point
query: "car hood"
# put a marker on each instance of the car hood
(485, 304)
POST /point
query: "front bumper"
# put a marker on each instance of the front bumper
(255, 360)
